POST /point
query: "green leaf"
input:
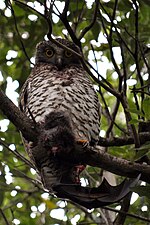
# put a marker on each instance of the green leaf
(96, 29)
(140, 152)
(146, 107)
(142, 190)
(135, 111)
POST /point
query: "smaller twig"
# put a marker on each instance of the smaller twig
(113, 116)
(86, 29)
(120, 141)
(29, 7)
(105, 217)
(129, 118)
(35, 182)
(45, 16)
(136, 52)
(90, 178)
(136, 101)
(107, 87)
(140, 88)
(120, 219)
(63, 18)
(94, 57)
(4, 217)
(9, 188)
(143, 56)
(109, 39)
(116, 29)
(126, 213)
(112, 19)
(124, 77)
(14, 202)
(48, 18)
(20, 39)
(138, 91)
(80, 16)
(32, 117)
(65, 10)
(18, 155)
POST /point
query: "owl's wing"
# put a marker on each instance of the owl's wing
(24, 96)
(23, 101)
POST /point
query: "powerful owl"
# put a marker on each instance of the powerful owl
(59, 96)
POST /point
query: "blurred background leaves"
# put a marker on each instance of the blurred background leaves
(117, 45)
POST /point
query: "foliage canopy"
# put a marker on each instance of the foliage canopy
(114, 37)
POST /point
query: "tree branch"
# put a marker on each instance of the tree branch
(98, 158)
(88, 155)
(19, 119)
(127, 214)
(119, 141)
(121, 217)
(19, 36)
(17, 154)
(4, 217)
(63, 17)
(86, 29)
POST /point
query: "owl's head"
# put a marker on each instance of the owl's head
(48, 52)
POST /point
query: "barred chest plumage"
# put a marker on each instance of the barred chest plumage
(70, 90)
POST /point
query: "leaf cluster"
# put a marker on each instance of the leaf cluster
(114, 38)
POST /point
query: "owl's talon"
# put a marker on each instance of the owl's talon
(78, 169)
(83, 142)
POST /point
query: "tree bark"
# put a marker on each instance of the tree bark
(88, 155)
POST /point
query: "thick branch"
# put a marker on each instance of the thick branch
(19, 119)
(90, 156)
(98, 158)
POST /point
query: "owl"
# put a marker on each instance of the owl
(59, 96)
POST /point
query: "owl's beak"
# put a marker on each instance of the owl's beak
(59, 63)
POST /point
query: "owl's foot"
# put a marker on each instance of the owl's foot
(78, 170)
(83, 142)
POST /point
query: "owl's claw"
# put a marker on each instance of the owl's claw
(83, 142)
(78, 170)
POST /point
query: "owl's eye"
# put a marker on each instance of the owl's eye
(49, 52)
(68, 54)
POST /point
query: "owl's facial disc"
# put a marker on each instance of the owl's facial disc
(50, 53)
